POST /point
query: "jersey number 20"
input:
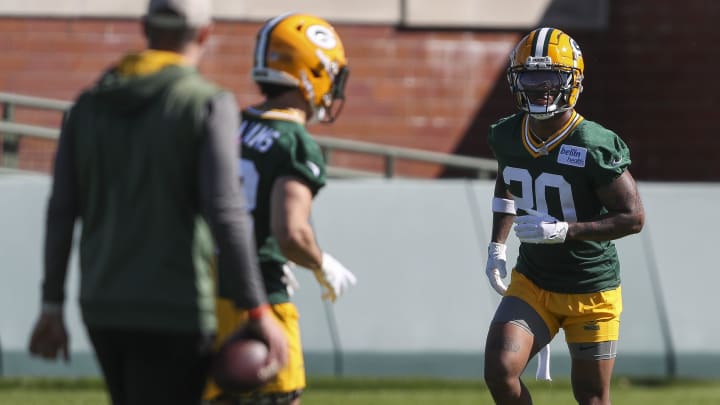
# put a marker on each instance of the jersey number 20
(533, 193)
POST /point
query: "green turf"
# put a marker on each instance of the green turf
(356, 391)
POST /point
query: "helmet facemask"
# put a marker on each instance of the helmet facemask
(333, 101)
(555, 85)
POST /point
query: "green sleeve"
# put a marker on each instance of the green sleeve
(303, 159)
(611, 158)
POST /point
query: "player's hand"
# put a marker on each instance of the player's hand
(288, 277)
(267, 329)
(538, 227)
(496, 268)
(49, 337)
(334, 278)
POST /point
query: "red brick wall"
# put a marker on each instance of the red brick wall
(649, 77)
(652, 78)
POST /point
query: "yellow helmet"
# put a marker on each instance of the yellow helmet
(546, 50)
(300, 50)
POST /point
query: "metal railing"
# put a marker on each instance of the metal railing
(483, 168)
(11, 132)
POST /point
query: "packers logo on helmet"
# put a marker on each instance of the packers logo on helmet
(546, 60)
(304, 51)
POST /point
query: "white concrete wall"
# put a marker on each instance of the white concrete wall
(418, 250)
(425, 13)
(378, 11)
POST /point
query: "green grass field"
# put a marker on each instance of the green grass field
(355, 391)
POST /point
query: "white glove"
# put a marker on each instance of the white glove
(496, 266)
(291, 283)
(539, 227)
(333, 277)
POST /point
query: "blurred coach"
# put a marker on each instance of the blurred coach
(146, 161)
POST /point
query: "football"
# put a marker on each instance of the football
(241, 365)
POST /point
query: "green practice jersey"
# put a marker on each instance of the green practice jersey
(275, 144)
(559, 177)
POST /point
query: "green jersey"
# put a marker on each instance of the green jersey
(559, 176)
(275, 144)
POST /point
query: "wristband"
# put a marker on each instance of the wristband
(257, 312)
(503, 205)
(496, 249)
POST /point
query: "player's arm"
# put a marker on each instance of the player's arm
(291, 205)
(223, 206)
(503, 211)
(62, 211)
(49, 337)
(625, 215)
(503, 206)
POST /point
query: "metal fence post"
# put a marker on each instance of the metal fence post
(9, 141)
(389, 165)
(326, 155)
(658, 296)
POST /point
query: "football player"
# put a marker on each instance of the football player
(301, 69)
(564, 181)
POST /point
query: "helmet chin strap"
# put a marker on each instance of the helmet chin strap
(544, 115)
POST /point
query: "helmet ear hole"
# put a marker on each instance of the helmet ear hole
(317, 72)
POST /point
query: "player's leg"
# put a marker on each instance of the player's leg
(516, 334)
(167, 368)
(592, 333)
(507, 352)
(290, 382)
(520, 328)
(108, 346)
(592, 366)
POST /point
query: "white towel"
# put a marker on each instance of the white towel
(543, 366)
